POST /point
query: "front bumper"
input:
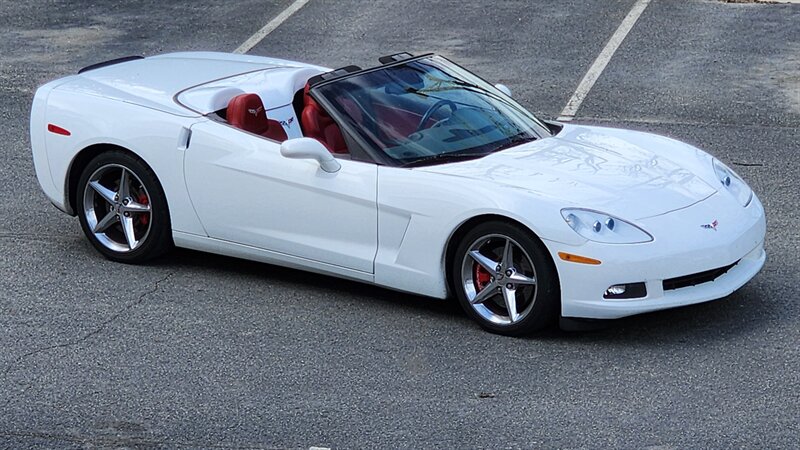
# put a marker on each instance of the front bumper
(681, 247)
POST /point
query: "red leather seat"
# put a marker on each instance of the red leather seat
(319, 125)
(246, 111)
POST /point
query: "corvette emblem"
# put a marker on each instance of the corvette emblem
(255, 111)
(710, 226)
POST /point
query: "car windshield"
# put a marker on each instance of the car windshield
(429, 111)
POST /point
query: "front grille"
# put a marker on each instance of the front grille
(696, 278)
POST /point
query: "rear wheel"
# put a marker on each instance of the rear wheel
(505, 280)
(122, 208)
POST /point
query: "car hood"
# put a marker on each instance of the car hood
(630, 174)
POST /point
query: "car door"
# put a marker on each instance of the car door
(245, 192)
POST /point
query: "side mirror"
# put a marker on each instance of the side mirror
(503, 88)
(307, 148)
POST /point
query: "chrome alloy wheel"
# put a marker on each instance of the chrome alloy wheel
(499, 279)
(117, 208)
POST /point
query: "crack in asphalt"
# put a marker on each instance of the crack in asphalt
(156, 286)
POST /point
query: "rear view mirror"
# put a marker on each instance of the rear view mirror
(503, 88)
(307, 148)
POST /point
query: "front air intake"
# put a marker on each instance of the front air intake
(696, 278)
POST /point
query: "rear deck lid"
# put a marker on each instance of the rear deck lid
(153, 82)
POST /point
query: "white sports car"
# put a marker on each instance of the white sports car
(415, 175)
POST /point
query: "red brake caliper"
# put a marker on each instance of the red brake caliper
(144, 218)
(481, 276)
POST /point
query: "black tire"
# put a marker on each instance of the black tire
(152, 228)
(537, 304)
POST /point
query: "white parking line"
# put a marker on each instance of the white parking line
(253, 40)
(602, 60)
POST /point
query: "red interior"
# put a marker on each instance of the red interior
(402, 122)
(246, 111)
(396, 123)
(317, 124)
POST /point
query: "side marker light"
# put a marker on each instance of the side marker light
(578, 259)
(57, 130)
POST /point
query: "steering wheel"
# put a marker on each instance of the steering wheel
(432, 110)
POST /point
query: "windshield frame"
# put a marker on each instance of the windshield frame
(539, 128)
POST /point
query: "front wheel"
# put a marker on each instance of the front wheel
(122, 208)
(505, 280)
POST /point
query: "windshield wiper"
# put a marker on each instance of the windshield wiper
(441, 157)
(515, 140)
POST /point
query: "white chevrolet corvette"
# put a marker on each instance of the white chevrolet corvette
(415, 175)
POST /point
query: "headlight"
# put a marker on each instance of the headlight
(601, 227)
(733, 183)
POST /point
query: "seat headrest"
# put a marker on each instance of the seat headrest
(246, 111)
(308, 100)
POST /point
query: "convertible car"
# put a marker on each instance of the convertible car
(416, 175)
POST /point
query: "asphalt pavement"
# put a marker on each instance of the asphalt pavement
(201, 351)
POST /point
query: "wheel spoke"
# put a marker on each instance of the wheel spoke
(485, 262)
(134, 207)
(123, 185)
(508, 257)
(105, 222)
(510, 297)
(499, 280)
(106, 193)
(485, 294)
(122, 221)
(127, 228)
(519, 278)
